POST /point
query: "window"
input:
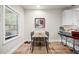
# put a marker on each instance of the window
(11, 23)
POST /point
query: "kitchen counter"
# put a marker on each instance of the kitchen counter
(65, 34)
(70, 40)
(74, 34)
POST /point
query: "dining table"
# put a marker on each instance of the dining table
(40, 38)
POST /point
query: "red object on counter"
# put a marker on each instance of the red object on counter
(74, 37)
(73, 32)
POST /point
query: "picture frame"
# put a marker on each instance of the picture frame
(39, 22)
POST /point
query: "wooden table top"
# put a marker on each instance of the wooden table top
(39, 35)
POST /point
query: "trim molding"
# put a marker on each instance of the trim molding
(54, 40)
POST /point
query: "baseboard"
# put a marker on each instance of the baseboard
(54, 40)
(11, 52)
(51, 40)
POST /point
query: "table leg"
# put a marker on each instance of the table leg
(32, 47)
(47, 46)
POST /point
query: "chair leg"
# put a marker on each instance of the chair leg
(47, 47)
(32, 47)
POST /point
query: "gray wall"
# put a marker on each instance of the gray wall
(52, 22)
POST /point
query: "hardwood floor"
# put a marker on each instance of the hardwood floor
(54, 48)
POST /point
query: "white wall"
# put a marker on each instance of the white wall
(52, 22)
(0, 30)
(11, 45)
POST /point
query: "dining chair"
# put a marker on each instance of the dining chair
(32, 42)
(47, 40)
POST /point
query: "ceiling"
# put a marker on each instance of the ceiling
(46, 6)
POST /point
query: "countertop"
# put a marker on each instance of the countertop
(76, 37)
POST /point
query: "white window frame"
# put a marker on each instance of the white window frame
(3, 25)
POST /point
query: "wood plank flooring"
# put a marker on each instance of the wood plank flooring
(54, 48)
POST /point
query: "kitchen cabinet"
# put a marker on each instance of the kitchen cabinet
(78, 18)
(76, 45)
(70, 17)
(70, 42)
(64, 40)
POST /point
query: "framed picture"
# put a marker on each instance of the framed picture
(39, 22)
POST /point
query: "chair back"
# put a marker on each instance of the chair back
(47, 33)
(32, 33)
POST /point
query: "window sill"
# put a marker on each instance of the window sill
(10, 39)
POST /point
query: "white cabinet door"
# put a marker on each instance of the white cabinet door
(69, 17)
(77, 19)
